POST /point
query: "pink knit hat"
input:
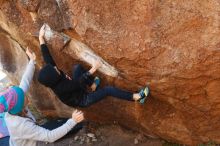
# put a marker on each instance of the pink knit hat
(12, 101)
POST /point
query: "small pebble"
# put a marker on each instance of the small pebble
(135, 141)
(81, 142)
(91, 135)
(98, 133)
(102, 138)
(82, 139)
(87, 140)
(76, 138)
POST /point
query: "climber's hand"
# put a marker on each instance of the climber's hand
(77, 116)
(97, 64)
(68, 77)
(42, 31)
(30, 54)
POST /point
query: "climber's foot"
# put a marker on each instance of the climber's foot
(143, 94)
(96, 84)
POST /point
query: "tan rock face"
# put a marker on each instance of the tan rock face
(172, 46)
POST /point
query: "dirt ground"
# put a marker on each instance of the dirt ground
(105, 135)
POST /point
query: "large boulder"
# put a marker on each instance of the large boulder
(172, 46)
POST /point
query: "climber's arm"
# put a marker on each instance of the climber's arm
(41, 35)
(46, 55)
(41, 40)
(29, 72)
(95, 66)
(44, 49)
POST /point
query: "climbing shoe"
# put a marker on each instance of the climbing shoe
(143, 93)
(97, 82)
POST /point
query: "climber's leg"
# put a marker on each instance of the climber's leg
(4, 141)
(98, 95)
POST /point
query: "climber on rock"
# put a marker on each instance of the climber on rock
(17, 121)
(73, 91)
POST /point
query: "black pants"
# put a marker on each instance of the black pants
(91, 98)
(4, 141)
(53, 124)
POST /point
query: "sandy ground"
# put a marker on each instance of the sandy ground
(107, 135)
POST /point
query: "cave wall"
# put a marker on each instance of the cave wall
(172, 46)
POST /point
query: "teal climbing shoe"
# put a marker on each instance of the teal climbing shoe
(97, 82)
(143, 93)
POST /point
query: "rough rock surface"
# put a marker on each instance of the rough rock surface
(172, 45)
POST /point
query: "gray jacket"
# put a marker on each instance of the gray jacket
(24, 131)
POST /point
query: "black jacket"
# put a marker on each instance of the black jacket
(69, 91)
